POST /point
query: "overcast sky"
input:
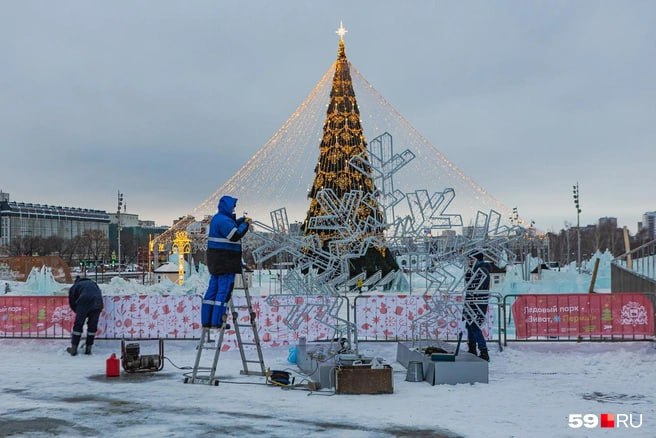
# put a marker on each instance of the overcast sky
(166, 100)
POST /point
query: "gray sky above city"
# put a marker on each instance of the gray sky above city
(166, 100)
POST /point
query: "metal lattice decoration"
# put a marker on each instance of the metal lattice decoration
(317, 272)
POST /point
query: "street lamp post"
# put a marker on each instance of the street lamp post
(577, 204)
(118, 227)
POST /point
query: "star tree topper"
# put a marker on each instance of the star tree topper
(341, 31)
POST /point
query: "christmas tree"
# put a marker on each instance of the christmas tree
(606, 315)
(342, 140)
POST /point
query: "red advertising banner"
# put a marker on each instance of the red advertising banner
(573, 315)
(35, 315)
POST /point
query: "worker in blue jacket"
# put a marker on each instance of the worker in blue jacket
(477, 295)
(85, 299)
(223, 261)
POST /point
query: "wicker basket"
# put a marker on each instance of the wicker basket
(364, 380)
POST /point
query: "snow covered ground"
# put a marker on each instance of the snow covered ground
(533, 389)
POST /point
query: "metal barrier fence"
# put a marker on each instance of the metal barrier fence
(641, 261)
(567, 317)
(635, 270)
(127, 316)
(35, 317)
(391, 317)
(171, 317)
(578, 317)
(313, 317)
(623, 280)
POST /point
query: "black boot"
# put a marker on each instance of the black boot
(72, 350)
(90, 338)
(484, 355)
(472, 348)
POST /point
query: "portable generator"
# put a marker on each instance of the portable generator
(133, 362)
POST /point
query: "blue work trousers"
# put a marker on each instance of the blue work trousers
(91, 317)
(475, 334)
(215, 302)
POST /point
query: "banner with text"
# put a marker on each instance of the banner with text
(33, 316)
(574, 315)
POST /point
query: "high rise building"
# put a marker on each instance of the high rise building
(649, 223)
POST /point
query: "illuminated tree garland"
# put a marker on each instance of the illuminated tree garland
(342, 140)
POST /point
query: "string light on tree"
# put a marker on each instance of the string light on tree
(343, 139)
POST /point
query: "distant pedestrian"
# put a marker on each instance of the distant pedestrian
(85, 300)
(7, 288)
(477, 295)
(223, 261)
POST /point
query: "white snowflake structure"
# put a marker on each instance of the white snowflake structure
(316, 270)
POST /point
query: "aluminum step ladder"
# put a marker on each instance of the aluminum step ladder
(207, 375)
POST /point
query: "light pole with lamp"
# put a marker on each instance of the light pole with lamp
(514, 217)
(118, 227)
(578, 225)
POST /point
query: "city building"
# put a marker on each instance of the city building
(608, 222)
(127, 219)
(135, 235)
(648, 224)
(26, 220)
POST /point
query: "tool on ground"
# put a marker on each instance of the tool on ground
(279, 378)
(447, 357)
(134, 362)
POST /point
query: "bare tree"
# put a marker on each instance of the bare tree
(19, 246)
(53, 245)
(71, 249)
(128, 246)
(94, 244)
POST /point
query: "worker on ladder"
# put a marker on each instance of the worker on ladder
(223, 261)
